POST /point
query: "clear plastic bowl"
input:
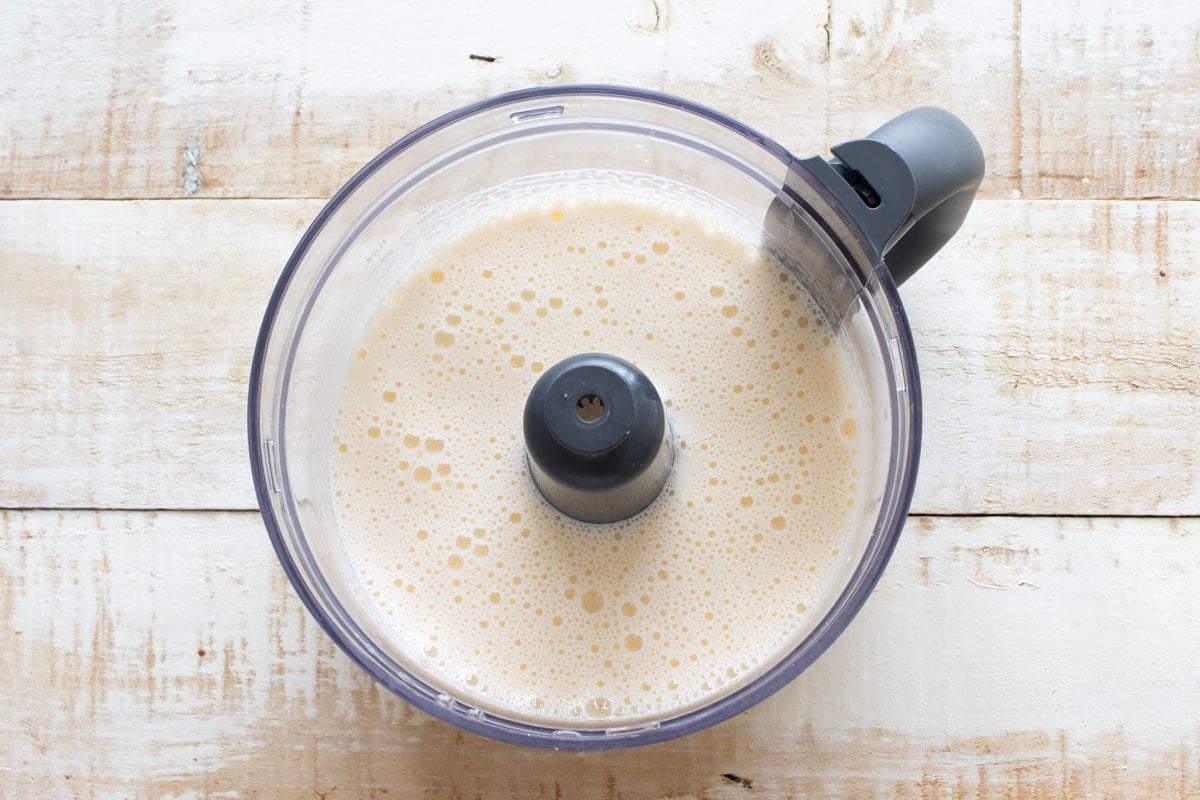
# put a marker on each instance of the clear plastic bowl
(448, 176)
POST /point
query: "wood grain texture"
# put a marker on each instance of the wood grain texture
(1058, 352)
(1100, 116)
(165, 655)
(126, 333)
(173, 99)
(1058, 345)
(162, 654)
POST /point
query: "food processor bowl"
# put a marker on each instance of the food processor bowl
(828, 222)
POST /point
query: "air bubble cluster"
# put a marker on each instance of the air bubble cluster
(512, 606)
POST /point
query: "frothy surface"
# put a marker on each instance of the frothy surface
(497, 597)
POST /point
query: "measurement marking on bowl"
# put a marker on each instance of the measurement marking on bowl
(894, 350)
(631, 729)
(536, 113)
(270, 456)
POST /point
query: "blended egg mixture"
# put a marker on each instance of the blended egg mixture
(495, 597)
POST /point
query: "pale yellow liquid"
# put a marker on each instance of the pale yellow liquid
(499, 599)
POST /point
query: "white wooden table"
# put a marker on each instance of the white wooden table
(1037, 634)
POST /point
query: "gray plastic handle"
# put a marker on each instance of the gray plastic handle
(908, 184)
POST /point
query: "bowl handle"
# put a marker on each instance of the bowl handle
(908, 184)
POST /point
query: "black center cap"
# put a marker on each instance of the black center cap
(590, 406)
(594, 423)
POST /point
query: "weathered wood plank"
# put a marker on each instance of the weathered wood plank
(126, 333)
(173, 99)
(164, 654)
(1058, 345)
(1108, 99)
